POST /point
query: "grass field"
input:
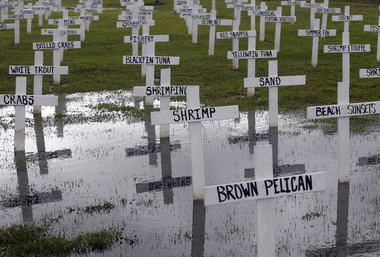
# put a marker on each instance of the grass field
(98, 66)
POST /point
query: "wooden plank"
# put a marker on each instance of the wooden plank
(37, 70)
(264, 188)
(56, 45)
(275, 81)
(146, 38)
(195, 115)
(24, 100)
(369, 73)
(344, 110)
(359, 48)
(154, 60)
(160, 91)
(251, 54)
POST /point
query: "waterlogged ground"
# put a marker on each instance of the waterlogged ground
(97, 166)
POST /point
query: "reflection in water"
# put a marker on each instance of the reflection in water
(26, 198)
(342, 248)
(272, 136)
(151, 130)
(42, 156)
(198, 235)
(286, 169)
(372, 160)
(342, 218)
(39, 130)
(168, 182)
(60, 110)
(250, 172)
(166, 165)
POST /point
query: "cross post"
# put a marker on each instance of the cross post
(273, 81)
(194, 115)
(20, 100)
(316, 33)
(374, 28)
(38, 70)
(278, 19)
(213, 22)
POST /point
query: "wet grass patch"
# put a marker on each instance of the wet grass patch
(90, 209)
(36, 240)
(311, 215)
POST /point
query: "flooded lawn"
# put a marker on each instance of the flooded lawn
(99, 169)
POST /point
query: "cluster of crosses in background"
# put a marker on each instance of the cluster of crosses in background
(138, 16)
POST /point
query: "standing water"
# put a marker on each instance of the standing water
(80, 156)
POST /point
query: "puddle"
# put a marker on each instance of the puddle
(100, 157)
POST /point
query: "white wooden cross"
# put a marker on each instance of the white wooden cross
(58, 44)
(342, 109)
(313, 6)
(40, 11)
(59, 34)
(279, 19)
(17, 16)
(164, 92)
(197, 12)
(374, 28)
(28, 14)
(5, 26)
(213, 22)
(135, 14)
(4, 6)
(293, 4)
(70, 20)
(251, 35)
(135, 25)
(273, 81)
(86, 15)
(347, 18)
(264, 189)
(196, 17)
(316, 33)
(262, 12)
(325, 11)
(251, 54)
(189, 12)
(346, 48)
(250, 8)
(150, 60)
(38, 70)
(236, 4)
(194, 115)
(144, 39)
(20, 100)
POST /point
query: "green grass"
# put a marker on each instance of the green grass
(35, 240)
(97, 66)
